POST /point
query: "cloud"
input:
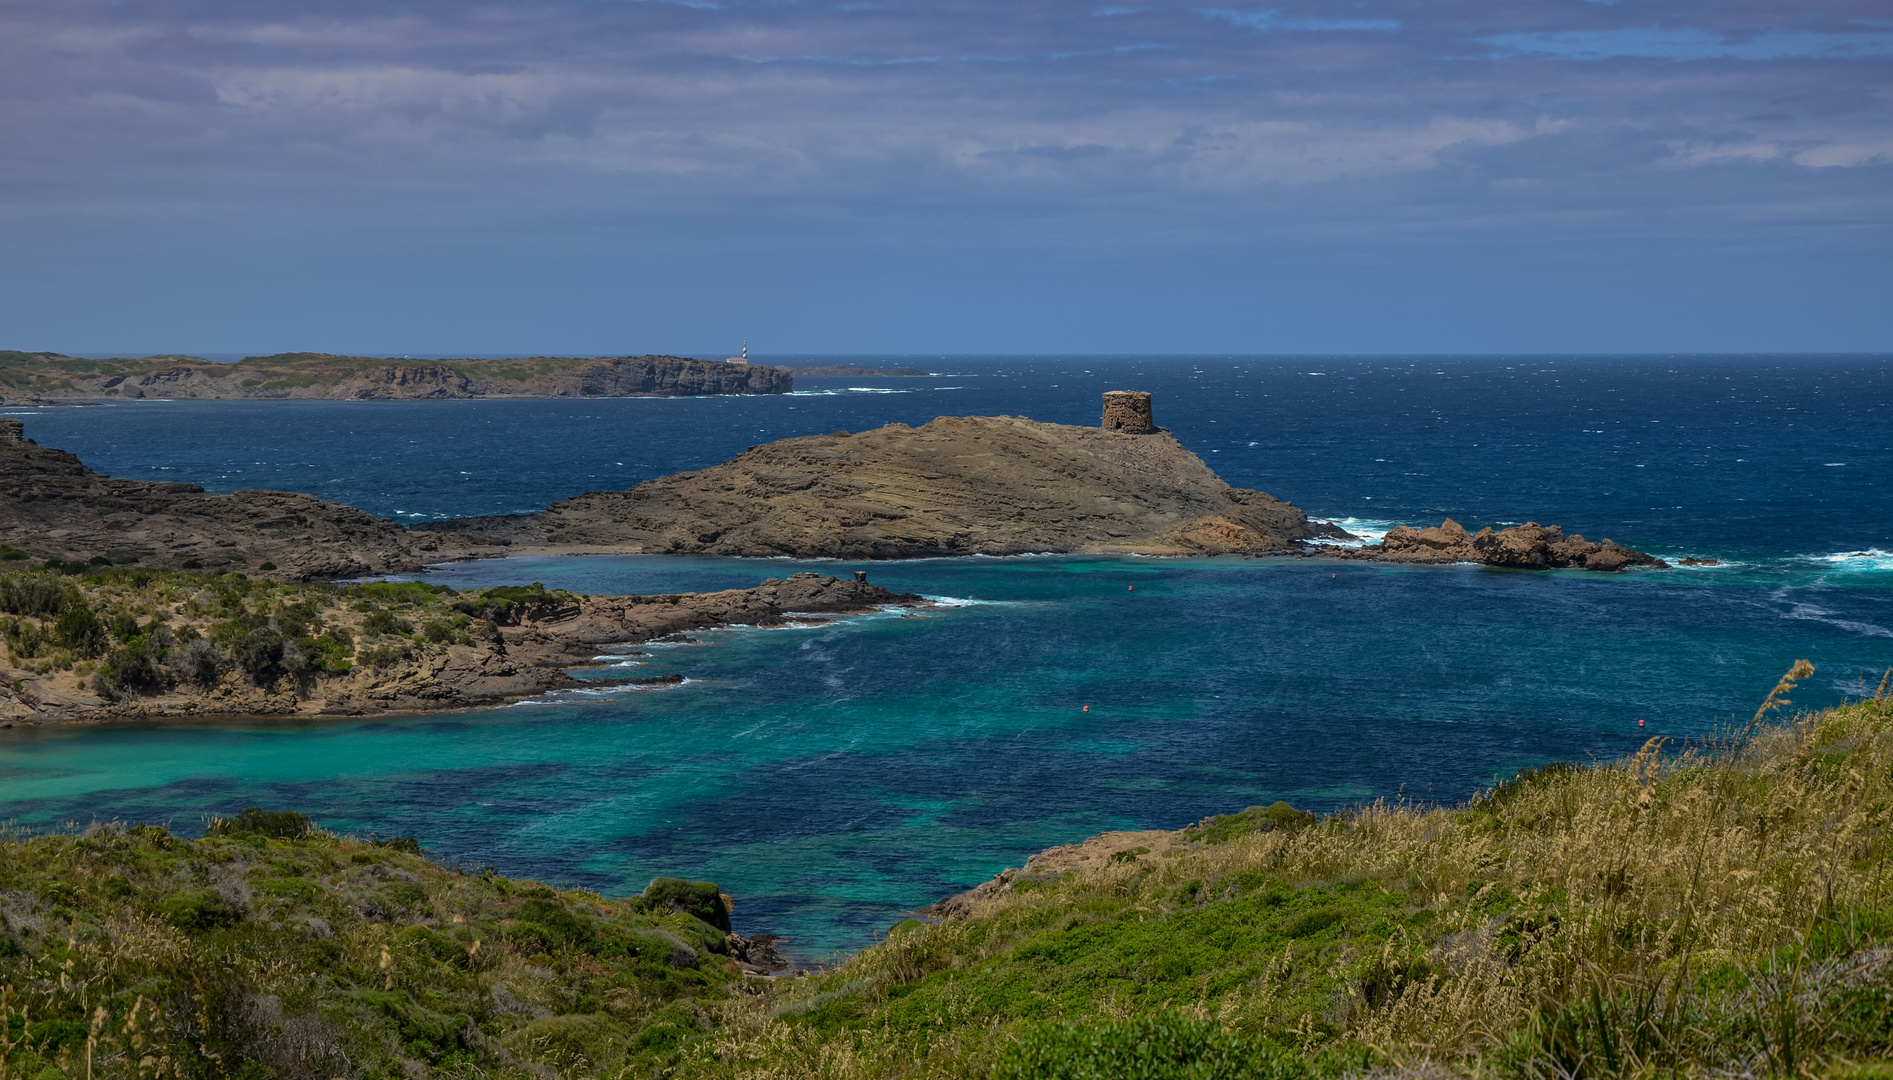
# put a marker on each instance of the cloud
(1266, 19)
(964, 123)
(1691, 44)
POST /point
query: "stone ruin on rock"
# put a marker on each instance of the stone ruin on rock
(1128, 411)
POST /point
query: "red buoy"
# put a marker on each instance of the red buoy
(1087, 708)
(1639, 721)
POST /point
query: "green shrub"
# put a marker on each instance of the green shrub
(78, 628)
(1162, 1047)
(383, 621)
(198, 909)
(131, 668)
(1227, 827)
(34, 594)
(253, 645)
(675, 895)
(275, 824)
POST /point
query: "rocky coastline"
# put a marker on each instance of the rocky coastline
(1530, 546)
(122, 644)
(990, 485)
(965, 485)
(53, 378)
(53, 507)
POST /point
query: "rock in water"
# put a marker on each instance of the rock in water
(961, 485)
(1530, 546)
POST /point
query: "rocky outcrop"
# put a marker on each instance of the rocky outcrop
(54, 378)
(1530, 546)
(53, 507)
(961, 485)
(522, 649)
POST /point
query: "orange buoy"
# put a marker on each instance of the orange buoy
(1639, 721)
(1130, 588)
(1087, 708)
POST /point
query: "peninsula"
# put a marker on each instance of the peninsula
(28, 378)
(104, 643)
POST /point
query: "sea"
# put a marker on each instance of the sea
(834, 776)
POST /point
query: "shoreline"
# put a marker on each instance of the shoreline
(131, 645)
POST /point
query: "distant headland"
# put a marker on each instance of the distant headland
(39, 377)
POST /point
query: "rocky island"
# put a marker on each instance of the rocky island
(27, 378)
(988, 485)
(961, 485)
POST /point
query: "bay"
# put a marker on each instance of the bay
(834, 776)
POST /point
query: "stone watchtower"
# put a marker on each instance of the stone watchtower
(1128, 411)
(11, 430)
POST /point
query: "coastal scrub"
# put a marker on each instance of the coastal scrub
(272, 948)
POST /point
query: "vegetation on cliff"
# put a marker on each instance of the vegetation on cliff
(1719, 909)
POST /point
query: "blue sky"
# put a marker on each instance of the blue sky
(609, 176)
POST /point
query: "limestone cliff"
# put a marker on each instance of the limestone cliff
(961, 485)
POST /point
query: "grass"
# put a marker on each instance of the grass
(1715, 909)
(270, 948)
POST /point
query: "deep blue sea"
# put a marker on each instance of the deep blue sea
(832, 777)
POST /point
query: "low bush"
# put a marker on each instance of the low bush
(1163, 1047)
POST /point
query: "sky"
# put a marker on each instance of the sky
(967, 176)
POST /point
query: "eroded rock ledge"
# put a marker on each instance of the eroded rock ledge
(1530, 546)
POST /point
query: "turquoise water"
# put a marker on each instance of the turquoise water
(834, 776)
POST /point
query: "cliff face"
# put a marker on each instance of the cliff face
(957, 486)
(50, 377)
(53, 507)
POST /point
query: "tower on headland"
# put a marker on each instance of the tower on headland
(743, 359)
(1128, 411)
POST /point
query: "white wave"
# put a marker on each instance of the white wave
(961, 601)
(1712, 563)
(1872, 559)
(1369, 530)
